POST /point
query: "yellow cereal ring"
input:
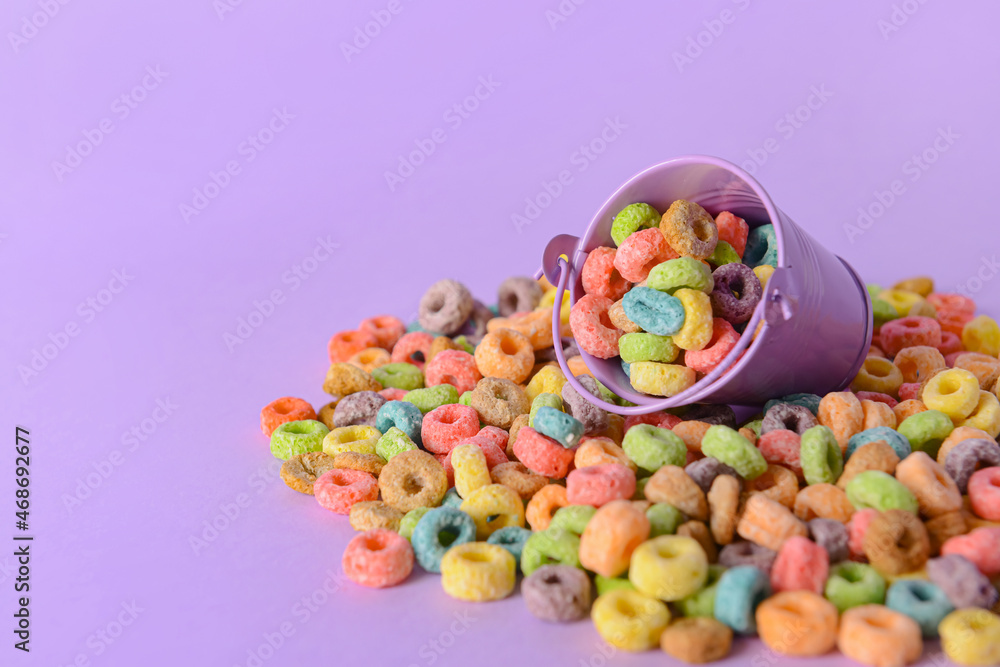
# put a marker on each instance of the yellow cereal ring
(478, 571)
(629, 620)
(986, 415)
(902, 300)
(763, 273)
(656, 379)
(358, 438)
(492, 507)
(697, 330)
(548, 380)
(982, 334)
(471, 470)
(668, 567)
(971, 637)
(954, 392)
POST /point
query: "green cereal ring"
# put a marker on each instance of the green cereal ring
(410, 519)
(299, 437)
(573, 518)
(726, 445)
(631, 219)
(664, 518)
(393, 442)
(881, 491)
(647, 347)
(873, 290)
(607, 394)
(854, 584)
(651, 448)
(640, 488)
(432, 397)
(723, 254)
(683, 272)
(756, 425)
(883, 311)
(399, 376)
(926, 431)
(605, 584)
(702, 602)
(552, 546)
(545, 399)
(465, 398)
(822, 462)
(462, 342)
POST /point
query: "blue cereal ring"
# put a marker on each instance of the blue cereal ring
(403, 415)
(654, 311)
(898, 442)
(922, 601)
(452, 499)
(561, 427)
(511, 538)
(762, 247)
(739, 591)
(437, 531)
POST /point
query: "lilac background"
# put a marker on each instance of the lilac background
(162, 337)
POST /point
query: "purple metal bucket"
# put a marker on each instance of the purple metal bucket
(816, 311)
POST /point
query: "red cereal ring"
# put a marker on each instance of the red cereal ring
(953, 321)
(282, 410)
(387, 329)
(345, 344)
(877, 397)
(600, 277)
(338, 489)
(640, 252)
(733, 230)
(951, 302)
(782, 447)
(393, 393)
(542, 454)
(444, 427)
(592, 327)
(496, 435)
(600, 484)
(657, 419)
(908, 332)
(378, 558)
(951, 343)
(724, 339)
(909, 390)
(454, 367)
(413, 348)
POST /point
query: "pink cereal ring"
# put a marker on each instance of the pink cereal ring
(657, 419)
(411, 344)
(782, 447)
(951, 343)
(857, 527)
(908, 332)
(733, 230)
(877, 397)
(600, 276)
(496, 435)
(387, 329)
(542, 454)
(378, 558)
(640, 252)
(724, 339)
(984, 493)
(444, 427)
(393, 393)
(600, 484)
(455, 367)
(592, 328)
(908, 391)
(338, 489)
(801, 565)
(952, 302)
(981, 546)
(494, 454)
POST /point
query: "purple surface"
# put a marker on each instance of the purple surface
(880, 99)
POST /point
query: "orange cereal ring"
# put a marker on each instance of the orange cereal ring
(387, 329)
(542, 454)
(640, 252)
(338, 489)
(616, 313)
(842, 413)
(908, 408)
(577, 366)
(345, 344)
(768, 523)
(455, 367)
(777, 483)
(691, 432)
(952, 302)
(600, 277)
(600, 450)
(877, 413)
(413, 348)
(876, 455)
(515, 475)
(983, 366)
(724, 339)
(611, 536)
(505, 354)
(536, 325)
(700, 533)
(953, 322)
(797, 623)
(934, 489)
(543, 504)
(723, 505)
(733, 230)
(370, 358)
(823, 501)
(592, 328)
(671, 484)
(919, 362)
(283, 410)
(378, 558)
(876, 635)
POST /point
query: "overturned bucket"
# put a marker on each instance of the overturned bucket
(816, 311)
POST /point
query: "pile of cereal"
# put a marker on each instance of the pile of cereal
(866, 520)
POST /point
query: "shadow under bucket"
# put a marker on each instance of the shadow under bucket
(816, 311)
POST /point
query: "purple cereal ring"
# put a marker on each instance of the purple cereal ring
(832, 536)
(716, 415)
(704, 471)
(359, 408)
(593, 418)
(518, 294)
(968, 456)
(557, 593)
(962, 582)
(474, 328)
(747, 553)
(445, 307)
(789, 417)
(732, 280)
